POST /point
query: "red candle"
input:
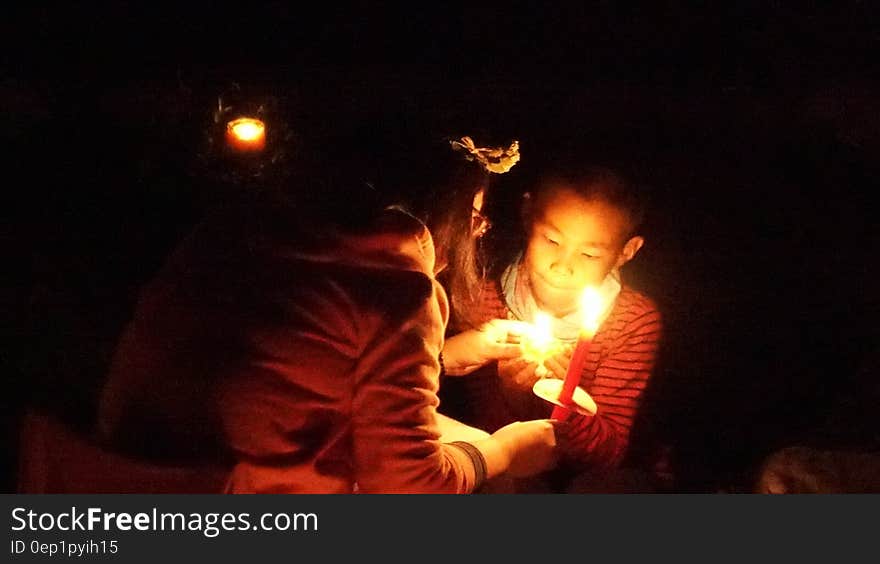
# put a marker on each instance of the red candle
(591, 309)
(573, 376)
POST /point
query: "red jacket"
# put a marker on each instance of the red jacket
(307, 361)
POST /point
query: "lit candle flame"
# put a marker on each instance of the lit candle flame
(538, 343)
(591, 310)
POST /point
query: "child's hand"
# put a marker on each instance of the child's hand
(518, 373)
(516, 378)
(557, 365)
(495, 340)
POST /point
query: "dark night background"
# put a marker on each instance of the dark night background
(757, 126)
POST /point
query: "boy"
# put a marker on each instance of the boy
(581, 228)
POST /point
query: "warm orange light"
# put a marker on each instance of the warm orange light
(246, 134)
(591, 309)
(538, 343)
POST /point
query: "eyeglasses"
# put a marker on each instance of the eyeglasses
(480, 224)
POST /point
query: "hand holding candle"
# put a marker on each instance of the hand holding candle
(494, 340)
(591, 310)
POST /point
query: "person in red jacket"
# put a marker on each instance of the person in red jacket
(299, 342)
(581, 227)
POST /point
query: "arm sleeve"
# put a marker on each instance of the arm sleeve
(284, 406)
(341, 391)
(396, 435)
(600, 442)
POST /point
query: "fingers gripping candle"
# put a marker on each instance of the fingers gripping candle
(591, 310)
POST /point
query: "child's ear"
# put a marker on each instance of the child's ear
(629, 250)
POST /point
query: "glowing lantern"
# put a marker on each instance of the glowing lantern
(246, 135)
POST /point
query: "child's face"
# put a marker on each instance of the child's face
(572, 243)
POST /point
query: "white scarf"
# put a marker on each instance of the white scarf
(520, 301)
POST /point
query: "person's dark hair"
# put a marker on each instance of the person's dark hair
(595, 182)
(349, 177)
(537, 180)
(451, 226)
(445, 188)
(435, 177)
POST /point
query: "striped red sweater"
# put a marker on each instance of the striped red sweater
(620, 362)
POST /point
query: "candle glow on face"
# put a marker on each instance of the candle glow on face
(246, 134)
